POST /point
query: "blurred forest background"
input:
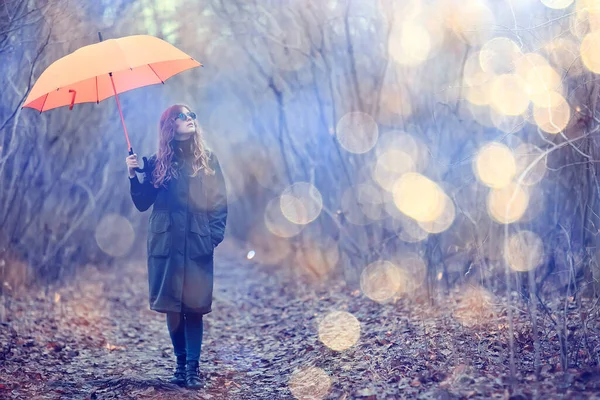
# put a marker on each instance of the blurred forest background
(402, 146)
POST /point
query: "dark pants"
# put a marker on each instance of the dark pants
(186, 331)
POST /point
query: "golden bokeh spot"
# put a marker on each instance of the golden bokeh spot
(410, 41)
(416, 43)
(402, 141)
(499, 56)
(277, 223)
(527, 61)
(507, 123)
(587, 8)
(495, 165)
(524, 251)
(546, 100)
(309, 383)
(381, 280)
(590, 12)
(418, 197)
(508, 94)
(339, 330)
(301, 203)
(555, 118)
(357, 132)
(114, 235)
(507, 205)
(473, 74)
(397, 161)
(557, 4)
(390, 166)
(469, 20)
(293, 209)
(480, 94)
(525, 155)
(541, 81)
(589, 51)
(444, 221)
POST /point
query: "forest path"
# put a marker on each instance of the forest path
(96, 339)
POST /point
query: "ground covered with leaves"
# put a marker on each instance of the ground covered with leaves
(96, 339)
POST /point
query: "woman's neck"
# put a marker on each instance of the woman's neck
(182, 148)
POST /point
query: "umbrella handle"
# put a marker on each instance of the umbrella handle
(143, 169)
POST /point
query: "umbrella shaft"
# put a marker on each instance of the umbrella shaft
(120, 111)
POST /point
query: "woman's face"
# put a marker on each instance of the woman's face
(186, 127)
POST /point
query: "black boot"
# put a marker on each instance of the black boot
(179, 375)
(192, 375)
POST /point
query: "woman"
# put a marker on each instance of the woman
(184, 182)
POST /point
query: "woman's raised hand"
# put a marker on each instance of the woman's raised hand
(132, 163)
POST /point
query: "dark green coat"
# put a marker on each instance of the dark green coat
(186, 224)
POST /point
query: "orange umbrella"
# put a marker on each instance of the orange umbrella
(101, 70)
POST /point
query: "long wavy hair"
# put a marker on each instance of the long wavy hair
(164, 169)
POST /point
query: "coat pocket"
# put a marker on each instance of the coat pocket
(159, 235)
(200, 243)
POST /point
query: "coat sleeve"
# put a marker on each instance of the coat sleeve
(143, 193)
(217, 203)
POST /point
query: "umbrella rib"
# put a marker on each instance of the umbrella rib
(97, 96)
(163, 82)
(44, 103)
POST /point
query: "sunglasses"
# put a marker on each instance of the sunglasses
(183, 116)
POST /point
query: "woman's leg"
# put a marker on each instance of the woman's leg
(176, 325)
(193, 334)
(194, 328)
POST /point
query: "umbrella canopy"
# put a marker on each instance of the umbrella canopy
(85, 75)
(101, 70)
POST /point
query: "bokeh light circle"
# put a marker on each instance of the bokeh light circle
(114, 235)
(444, 221)
(380, 281)
(309, 383)
(470, 20)
(495, 165)
(357, 132)
(557, 4)
(339, 330)
(555, 118)
(301, 203)
(589, 51)
(508, 94)
(524, 251)
(541, 81)
(418, 197)
(499, 55)
(507, 205)
(277, 223)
